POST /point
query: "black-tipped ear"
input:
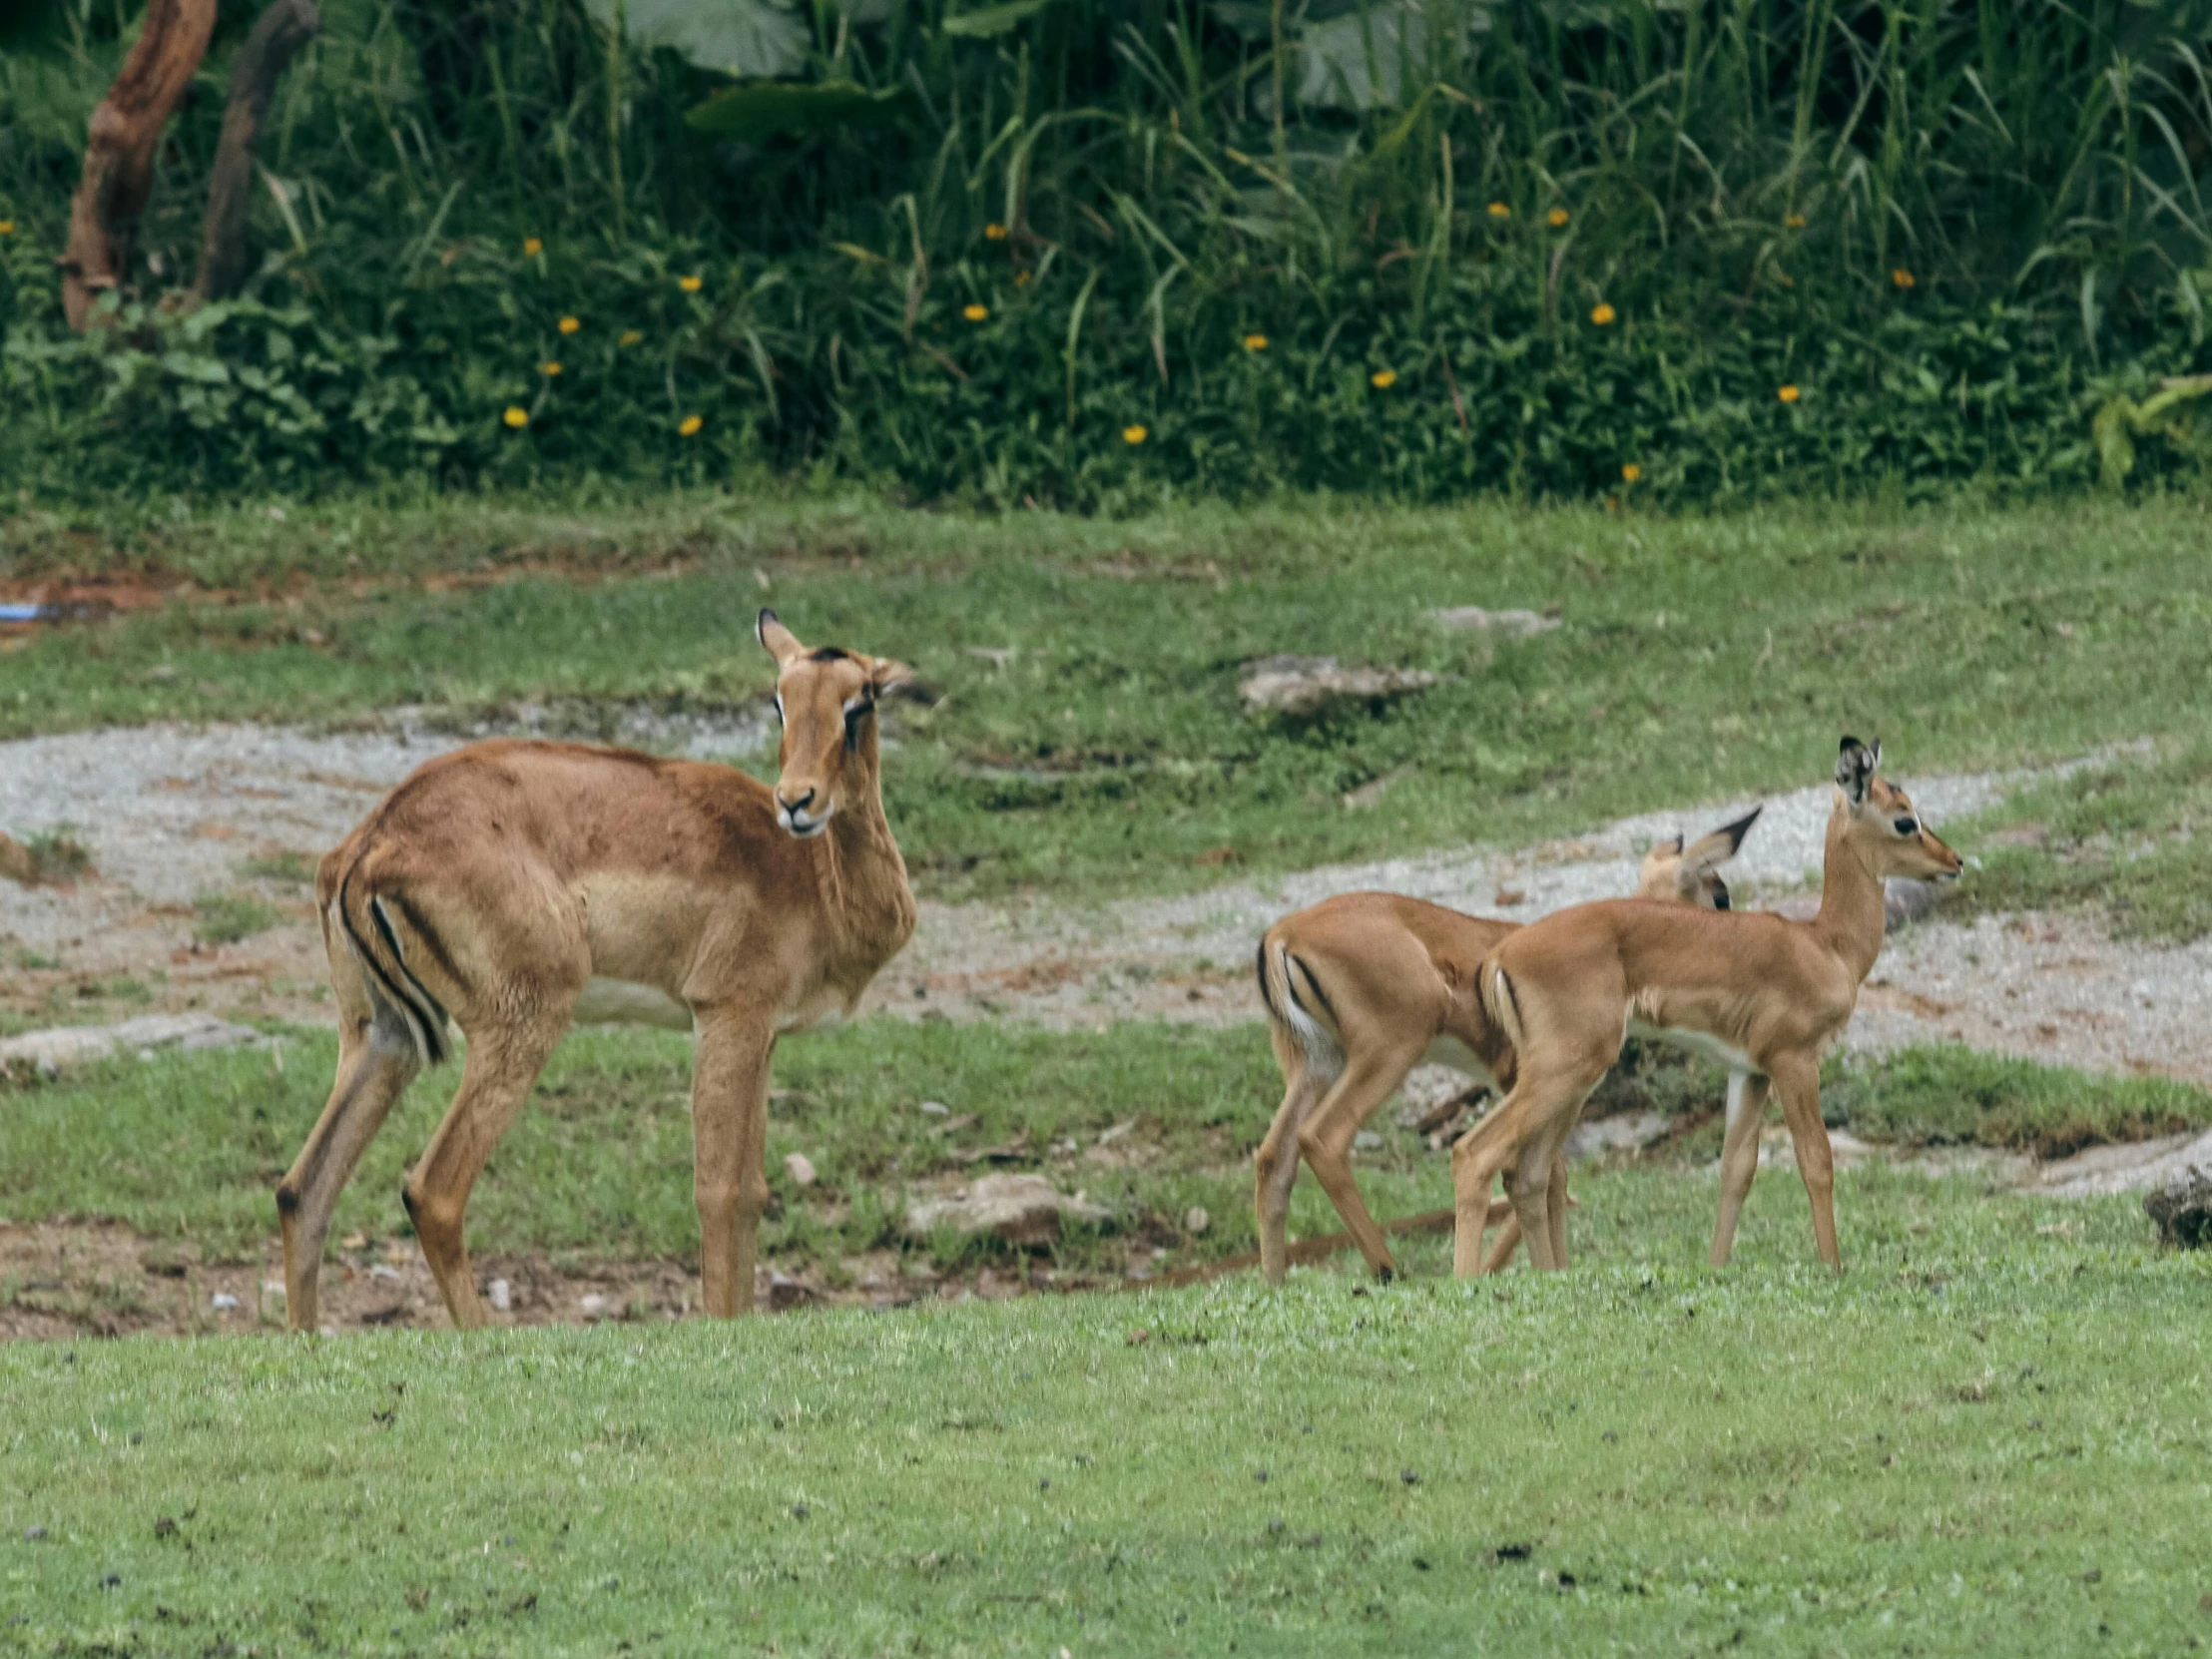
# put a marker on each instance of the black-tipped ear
(1674, 846)
(1855, 763)
(776, 638)
(1740, 828)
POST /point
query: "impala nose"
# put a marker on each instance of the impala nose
(798, 806)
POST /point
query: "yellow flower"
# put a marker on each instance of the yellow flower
(630, 337)
(1601, 314)
(689, 426)
(1382, 379)
(1631, 472)
(516, 416)
(1021, 278)
(1500, 210)
(1558, 217)
(1796, 222)
(1901, 276)
(1256, 342)
(995, 231)
(569, 325)
(1134, 435)
(691, 285)
(975, 313)
(532, 247)
(549, 369)
(1787, 394)
(7, 227)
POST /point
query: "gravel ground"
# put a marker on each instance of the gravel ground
(171, 813)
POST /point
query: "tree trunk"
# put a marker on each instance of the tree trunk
(120, 147)
(283, 28)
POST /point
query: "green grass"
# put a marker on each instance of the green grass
(1698, 657)
(600, 1163)
(2131, 839)
(226, 917)
(1990, 1436)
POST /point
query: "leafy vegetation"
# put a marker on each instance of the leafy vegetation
(1088, 730)
(1096, 252)
(1987, 1436)
(1956, 1096)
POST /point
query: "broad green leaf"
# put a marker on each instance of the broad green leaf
(764, 108)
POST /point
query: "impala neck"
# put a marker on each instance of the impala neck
(864, 878)
(1851, 916)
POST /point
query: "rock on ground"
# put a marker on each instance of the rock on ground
(2182, 1208)
(1021, 1209)
(1307, 685)
(48, 1052)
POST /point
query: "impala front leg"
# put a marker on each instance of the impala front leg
(729, 1154)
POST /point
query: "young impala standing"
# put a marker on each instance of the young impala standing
(1761, 992)
(1363, 988)
(510, 887)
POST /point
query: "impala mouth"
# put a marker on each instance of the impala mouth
(800, 825)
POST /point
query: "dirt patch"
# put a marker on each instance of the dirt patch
(96, 1279)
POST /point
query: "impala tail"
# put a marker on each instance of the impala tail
(373, 922)
(1299, 1008)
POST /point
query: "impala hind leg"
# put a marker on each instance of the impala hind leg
(729, 1153)
(502, 1063)
(1553, 1106)
(1275, 1165)
(1477, 1158)
(1798, 1082)
(376, 1059)
(1325, 1141)
(1747, 1110)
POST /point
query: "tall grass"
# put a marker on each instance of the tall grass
(1139, 186)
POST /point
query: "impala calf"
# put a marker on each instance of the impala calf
(510, 889)
(1362, 989)
(1764, 993)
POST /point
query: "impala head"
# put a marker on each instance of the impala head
(1883, 821)
(827, 700)
(1692, 874)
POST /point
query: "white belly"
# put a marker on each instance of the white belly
(1450, 1051)
(1697, 1043)
(626, 1002)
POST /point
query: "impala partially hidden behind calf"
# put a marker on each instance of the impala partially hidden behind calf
(510, 889)
(1363, 988)
(1761, 992)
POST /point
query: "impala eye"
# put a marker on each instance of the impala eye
(1907, 827)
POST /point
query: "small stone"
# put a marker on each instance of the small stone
(1409, 1478)
(1260, 1475)
(34, 1533)
(799, 1511)
(936, 1108)
(383, 1270)
(1196, 1220)
(1474, 619)
(797, 1167)
(593, 1306)
(223, 1302)
(501, 1295)
(1367, 1139)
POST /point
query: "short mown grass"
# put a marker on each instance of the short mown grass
(191, 1146)
(1086, 732)
(1988, 1437)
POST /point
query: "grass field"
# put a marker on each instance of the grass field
(1696, 657)
(599, 1165)
(1988, 1437)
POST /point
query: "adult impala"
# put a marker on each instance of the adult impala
(1764, 993)
(1363, 988)
(510, 889)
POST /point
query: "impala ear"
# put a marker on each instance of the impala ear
(892, 678)
(779, 641)
(1854, 767)
(1723, 844)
